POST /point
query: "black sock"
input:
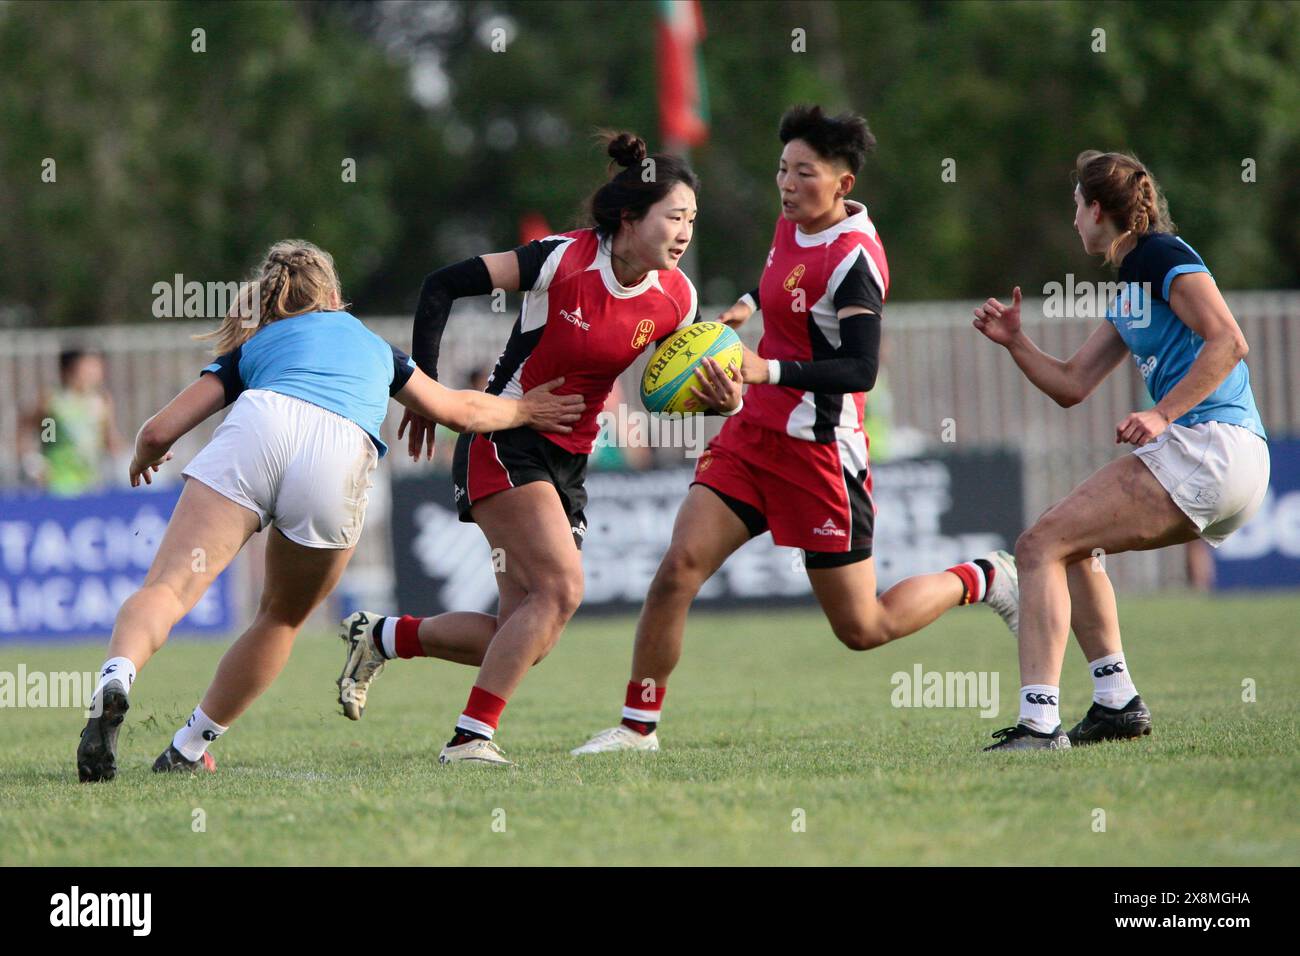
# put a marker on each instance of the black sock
(463, 736)
(985, 565)
(377, 637)
(644, 728)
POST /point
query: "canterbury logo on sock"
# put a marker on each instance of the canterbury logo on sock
(1109, 669)
(1048, 699)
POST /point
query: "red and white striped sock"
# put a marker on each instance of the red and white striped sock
(398, 637)
(482, 713)
(641, 706)
(976, 577)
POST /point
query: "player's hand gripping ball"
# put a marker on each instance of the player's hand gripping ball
(666, 383)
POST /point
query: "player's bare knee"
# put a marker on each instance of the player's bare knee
(1032, 548)
(560, 593)
(680, 570)
(857, 636)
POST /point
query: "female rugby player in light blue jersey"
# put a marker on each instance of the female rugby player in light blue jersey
(1200, 469)
(310, 387)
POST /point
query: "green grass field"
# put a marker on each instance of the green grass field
(766, 716)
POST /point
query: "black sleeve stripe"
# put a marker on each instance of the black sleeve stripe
(403, 369)
(858, 287)
(226, 369)
(532, 258)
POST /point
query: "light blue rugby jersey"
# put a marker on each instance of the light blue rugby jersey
(1162, 345)
(327, 358)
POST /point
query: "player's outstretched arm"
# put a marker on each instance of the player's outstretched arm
(471, 411)
(156, 436)
(477, 276)
(1066, 382)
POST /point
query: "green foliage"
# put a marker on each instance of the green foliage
(170, 160)
(175, 161)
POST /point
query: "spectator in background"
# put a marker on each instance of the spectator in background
(63, 441)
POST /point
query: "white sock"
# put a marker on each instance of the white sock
(118, 669)
(388, 637)
(199, 731)
(465, 722)
(1039, 709)
(1111, 684)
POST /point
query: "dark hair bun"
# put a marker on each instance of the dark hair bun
(626, 149)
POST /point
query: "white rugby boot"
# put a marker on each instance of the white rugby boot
(617, 738)
(362, 665)
(1004, 592)
(476, 750)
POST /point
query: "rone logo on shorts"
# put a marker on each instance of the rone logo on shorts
(1109, 669)
(1041, 698)
(828, 529)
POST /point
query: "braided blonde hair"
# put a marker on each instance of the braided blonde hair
(294, 278)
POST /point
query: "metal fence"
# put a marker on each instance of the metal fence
(947, 383)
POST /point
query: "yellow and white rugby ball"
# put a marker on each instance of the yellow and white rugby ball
(666, 383)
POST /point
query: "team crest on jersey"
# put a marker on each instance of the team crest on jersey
(792, 280)
(706, 459)
(644, 329)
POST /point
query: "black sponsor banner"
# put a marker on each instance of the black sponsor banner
(933, 513)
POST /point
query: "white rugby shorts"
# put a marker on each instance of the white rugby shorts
(295, 465)
(1216, 473)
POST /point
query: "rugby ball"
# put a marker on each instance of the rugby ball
(667, 380)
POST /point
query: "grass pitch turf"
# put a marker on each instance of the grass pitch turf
(770, 723)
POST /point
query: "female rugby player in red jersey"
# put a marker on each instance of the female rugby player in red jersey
(794, 461)
(308, 385)
(595, 299)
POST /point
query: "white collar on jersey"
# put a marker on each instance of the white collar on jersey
(858, 221)
(606, 267)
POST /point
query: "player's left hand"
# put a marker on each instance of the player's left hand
(146, 469)
(721, 389)
(1141, 427)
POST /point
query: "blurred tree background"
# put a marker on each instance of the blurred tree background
(169, 160)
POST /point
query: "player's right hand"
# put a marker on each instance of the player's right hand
(999, 322)
(420, 437)
(146, 469)
(736, 315)
(548, 412)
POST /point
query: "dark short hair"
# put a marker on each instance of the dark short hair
(845, 137)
